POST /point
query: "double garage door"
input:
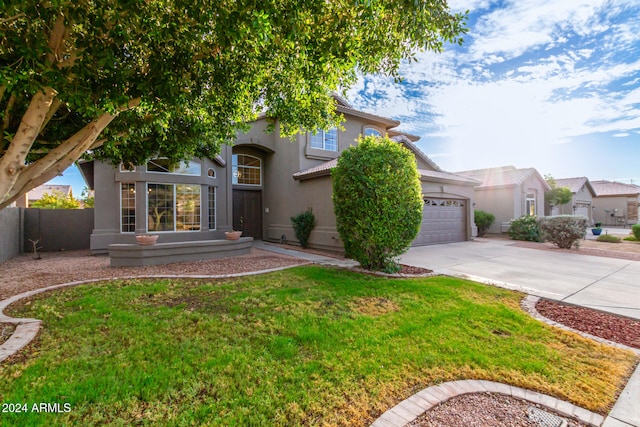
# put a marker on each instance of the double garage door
(443, 221)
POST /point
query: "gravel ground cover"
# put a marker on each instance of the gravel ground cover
(481, 410)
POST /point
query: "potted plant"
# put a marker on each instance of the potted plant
(235, 234)
(146, 239)
(597, 229)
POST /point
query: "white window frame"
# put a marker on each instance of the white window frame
(371, 131)
(174, 208)
(128, 183)
(235, 172)
(529, 203)
(321, 140)
(182, 168)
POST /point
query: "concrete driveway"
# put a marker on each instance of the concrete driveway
(607, 284)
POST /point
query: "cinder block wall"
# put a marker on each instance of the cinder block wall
(10, 233)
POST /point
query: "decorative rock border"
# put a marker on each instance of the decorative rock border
(411, 408)
(528, 304)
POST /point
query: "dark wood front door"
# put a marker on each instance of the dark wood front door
(247, 213)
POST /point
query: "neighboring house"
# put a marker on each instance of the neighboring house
(258, 185)
(616, 203)
(38, 192)
(582, 200)
(508, 193)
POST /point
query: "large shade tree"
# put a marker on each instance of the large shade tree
(129, 80)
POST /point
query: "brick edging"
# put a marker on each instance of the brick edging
(411, 408)
(27, 329)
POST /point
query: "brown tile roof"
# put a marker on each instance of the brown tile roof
(322, 169)
(504, 176)
(613, 188)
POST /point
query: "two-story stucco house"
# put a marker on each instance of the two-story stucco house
(258, 184)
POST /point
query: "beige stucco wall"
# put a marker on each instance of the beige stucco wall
(500, 202)
(284, 197)
(605, 207)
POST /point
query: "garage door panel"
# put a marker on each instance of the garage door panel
(443, 221)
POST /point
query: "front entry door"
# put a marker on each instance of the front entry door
(247, 213)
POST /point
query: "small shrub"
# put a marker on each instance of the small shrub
(635, 229)
(303, 223)
(631, 239)
(483, 221)
(563, 230)
(525, 228)
(609, 238)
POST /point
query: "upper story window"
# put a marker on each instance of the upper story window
(369, 131)
(325, 139)
(180, 168)
(247, 170)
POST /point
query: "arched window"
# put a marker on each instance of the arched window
(247, 170)
(369, 131)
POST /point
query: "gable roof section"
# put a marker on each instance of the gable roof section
(613, 188)
(38, 192)
(576, 184)
(503, 177)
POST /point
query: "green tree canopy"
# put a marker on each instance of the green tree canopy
(56, 200)
(557, 196)
(129, 80)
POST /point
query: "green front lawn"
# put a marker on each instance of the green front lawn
(306, 346)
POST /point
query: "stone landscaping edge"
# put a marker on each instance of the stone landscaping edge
(401, 414)
(414, 406)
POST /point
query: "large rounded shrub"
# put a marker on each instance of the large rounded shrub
(377, 201)
(563, 231)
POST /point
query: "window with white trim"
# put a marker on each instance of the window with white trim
(246, 170)
(369, 131)
(127, 207)
(162, 165)
(173, 207)
(212, 207)
(325, 139)
(530, 205)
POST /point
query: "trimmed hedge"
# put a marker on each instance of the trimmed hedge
(563, 230)
(635, 229)
(377, 200)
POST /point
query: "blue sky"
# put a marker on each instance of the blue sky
(553, 85)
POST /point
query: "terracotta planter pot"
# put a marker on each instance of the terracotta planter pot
(233, 235)
(147, 239)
